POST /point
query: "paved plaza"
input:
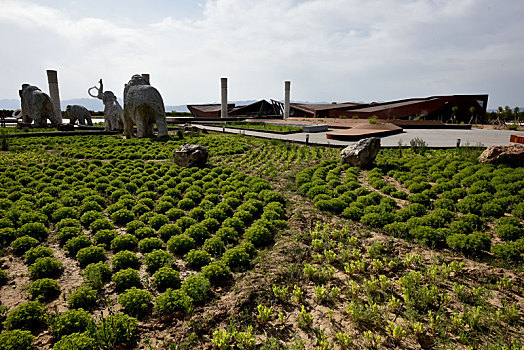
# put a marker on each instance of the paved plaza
(438, 138)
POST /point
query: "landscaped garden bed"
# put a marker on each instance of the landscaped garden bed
(107, 243)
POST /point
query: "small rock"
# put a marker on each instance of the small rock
(362, 153)
(191, 155)
(510, 154)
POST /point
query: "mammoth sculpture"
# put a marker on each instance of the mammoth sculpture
(143, 105)
(37, 106)
(80, 113)
(113, 112)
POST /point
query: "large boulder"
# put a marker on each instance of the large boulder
(191, 155)
(510, 154)
(362, 153)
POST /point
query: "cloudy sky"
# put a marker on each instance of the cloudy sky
(331, 50)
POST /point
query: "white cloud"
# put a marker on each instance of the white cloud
(331, 50)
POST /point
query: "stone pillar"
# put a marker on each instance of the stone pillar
(52, 79)
(146, 77)
(223, 85)
(287, 89)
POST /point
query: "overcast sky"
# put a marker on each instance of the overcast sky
(331, 50)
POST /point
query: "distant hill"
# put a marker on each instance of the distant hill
(96, 105)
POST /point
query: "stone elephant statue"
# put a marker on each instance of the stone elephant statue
(113, 112)
(37, 106)
(80, 113)
(144, 106)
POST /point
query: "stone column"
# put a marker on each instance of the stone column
(52, 79)
(223, 85)
(146, 77)
(287, 89)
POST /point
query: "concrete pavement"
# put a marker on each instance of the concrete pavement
(437, 138)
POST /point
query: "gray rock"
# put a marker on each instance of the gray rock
(510, 154)
(191, 155)
(362, 153)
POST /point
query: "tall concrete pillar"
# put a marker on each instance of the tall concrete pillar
(223, 85)
(146, 77)
(287, 89)
(52, 79)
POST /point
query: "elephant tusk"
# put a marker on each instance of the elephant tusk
(89, 91)
(17, 113)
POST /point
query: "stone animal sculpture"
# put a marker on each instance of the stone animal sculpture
(113, 112)
(80, 113)
(144, 106)
(37, 106)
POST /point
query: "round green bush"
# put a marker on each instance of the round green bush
(29, 315)
(34, 229)
(134, 225)
(509, 232)
(122, 217)
(173, 301)
(197, 213)
(100, 224)
(90, 255)
(37, 252)
(166, 277)
(163, 206)
(185, 222)
(43, 289)
(140, 209)
(175, 213)
(214, 246)
(105, 237)
(169, 230)
(518, 210)
(83, 297)
(180, 244)
(492, 209)
(145, 232)
(147, 245)
(91, 216)
(124, 241)
(126, 278)
(236, 223)
(158, 220)
(217, 273)
(125, 259)
(90, 206)
(186, 204)
(16, 340)
(198, 232)
(508, 252)
(197, 287)
(158, 258)
(136, 302)
(7, 236)
(197, 258)
(211, 224)
(258, 235)
(64, 213)
(353, 212)
(45, 267)
(66, 233)
(72, 321)
(96, 275)
(76, 243)
(77, 341)
(236, 258)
